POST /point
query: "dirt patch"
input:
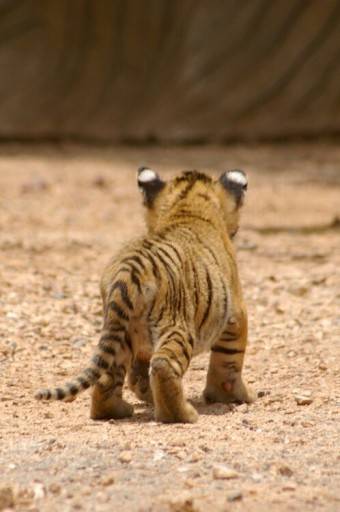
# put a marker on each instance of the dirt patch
(63, 213)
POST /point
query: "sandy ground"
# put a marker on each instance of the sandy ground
(63, 212)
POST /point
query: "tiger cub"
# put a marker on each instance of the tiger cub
(169, 296)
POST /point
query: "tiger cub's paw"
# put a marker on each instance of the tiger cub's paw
(111, 409)
(185, 414)
(229, 392)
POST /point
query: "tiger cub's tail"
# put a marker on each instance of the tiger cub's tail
(102, 360)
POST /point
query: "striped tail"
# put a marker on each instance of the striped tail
(114, 346)
(110, 343)
(71, 389)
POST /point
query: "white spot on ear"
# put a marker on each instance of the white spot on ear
(147, 175)
(237, 177)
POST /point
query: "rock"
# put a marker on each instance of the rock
(159, 455)
(279, 308)
(298, 290)
(224, 473)
(54, 488)
(307, 424)
(6, 497)
(39, 490)
(303, 397)
(289, 487)
(257, 477)
(185, 505)
(263, 393)
(125, 456)
(195, 457)
(285, 470)
(234, 496)
(303, 400)
(108, 480)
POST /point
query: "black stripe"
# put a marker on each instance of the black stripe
(136, 281)
(73, 389)
(229, 351)
(204, 196)
(136, 259)
(106, 348)
(100, 362)
(147, 244)
(122, 287)
(130, 266)
(173, 299)
(225, 300)
(128, 341)
(173, 357)
(183, 302)
(168, 244)
(83, 382)
(117, 309)
(155, 269)
(183, 216)
(191, 340)
(92, 373)
(209, 300)
(60, 393)
(183, 347)
(114, 328)
(168, 229)
(212, 254)
(121, 370)
(48, 394)
(183, 194)
(163, 251)
(196, 286)
(210, 251)
(115, 337)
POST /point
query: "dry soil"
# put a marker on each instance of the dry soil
(63, 212)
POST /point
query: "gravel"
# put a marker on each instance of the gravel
(63, 213)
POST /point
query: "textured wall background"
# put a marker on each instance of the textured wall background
(169, 70)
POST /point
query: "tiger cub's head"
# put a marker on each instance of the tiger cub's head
(193, 195)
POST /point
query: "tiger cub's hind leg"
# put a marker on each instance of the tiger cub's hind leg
(107, 401)
(138, 378)
(224, 380)
(168, 365)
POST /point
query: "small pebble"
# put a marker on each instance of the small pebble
(54, 488)
(285, 471)
(108, 480)
(234, 496)
(39, 491)
(224, 473)
(125, 456)
(303, 400)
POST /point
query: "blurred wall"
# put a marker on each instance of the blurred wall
(169, 70)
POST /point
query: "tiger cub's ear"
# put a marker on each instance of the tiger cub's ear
(236, 183)
(150, 184)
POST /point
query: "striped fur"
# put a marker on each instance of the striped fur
(169, 296)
